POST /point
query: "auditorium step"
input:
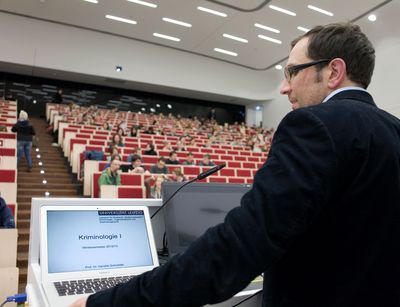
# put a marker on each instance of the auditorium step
(60, 183)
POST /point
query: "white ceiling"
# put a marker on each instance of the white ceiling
(207, 30)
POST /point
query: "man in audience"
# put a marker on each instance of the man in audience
(322, 217)
(206, 161)
(136, 166)
(173, 158)
(6, 216)
(110, 176)
(189, 159)
(25, 133)
(159, 167)
(149, 151)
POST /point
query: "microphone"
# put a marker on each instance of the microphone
(199, 177)
(210, 171)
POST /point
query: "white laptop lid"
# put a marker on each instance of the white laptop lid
(81, 242)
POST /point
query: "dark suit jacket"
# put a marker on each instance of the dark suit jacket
(322, 221)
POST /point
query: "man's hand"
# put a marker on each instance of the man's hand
(79, 303)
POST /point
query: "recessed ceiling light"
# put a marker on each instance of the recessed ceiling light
(169, 106)
(225, 51)
(144, 3)
(143, 109)
(279, 9)
(171, 38)
(278, 67)
(372, 17)
(121, 19)
(118, 68)
(319, 10)
(270, 39)
(258, 108)
(91, 1)
(302, 29)
(158, 105)
(47, 193)
(177, 22)
(266, 28)
(204, 9)
(239, 39)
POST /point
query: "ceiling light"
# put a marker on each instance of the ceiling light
(302, 29)
(47, 193)
(34, 101)
(40, 163)
(258, 108)
(118, 68)
(266, 28)
(152, 110)
(204, 9)
(158, 105)
(317, 9)
(270, 39)
(92, 1)
(239, 39)
(144, 3)
(38, 156)
(177, 22)
(171, 38)
(279, 9)
(37, 149)
(121, 19)
(44, 181)
(169, 106)
(143, 109)
(372, 17)
(225, 51)
(42, 171)
(278, 67)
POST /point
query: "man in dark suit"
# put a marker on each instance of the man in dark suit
(322, 220)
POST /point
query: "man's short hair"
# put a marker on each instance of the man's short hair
(161, 159)
(346, 41)
(135, 158)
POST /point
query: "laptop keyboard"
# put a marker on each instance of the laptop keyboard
(83, 286)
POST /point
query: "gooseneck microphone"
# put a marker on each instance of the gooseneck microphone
(199, 177)
(210, 171)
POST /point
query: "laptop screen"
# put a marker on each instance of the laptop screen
(86, 240)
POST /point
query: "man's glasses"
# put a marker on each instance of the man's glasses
(291, 71)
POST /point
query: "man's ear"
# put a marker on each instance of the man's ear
(338, 73)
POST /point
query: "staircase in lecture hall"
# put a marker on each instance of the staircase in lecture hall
(60, 183)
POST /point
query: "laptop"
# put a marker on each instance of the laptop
(85, 249)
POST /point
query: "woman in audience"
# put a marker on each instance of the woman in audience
(25, 132)
(156, 190)
(117, 141)
(106, 126)
(178, 176)
(133, 132)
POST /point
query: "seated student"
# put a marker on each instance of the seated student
(173, 158)
(134, 132)
(6, 216)
(180, 145)
(178, 176)
(116, 141)
(135, 167)
(150, 150)
(189, 159)
(110, 176)
(112, 158)
(159, 167)
(206, 161)
(156, 190)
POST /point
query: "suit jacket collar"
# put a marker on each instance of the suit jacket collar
(361, 96)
